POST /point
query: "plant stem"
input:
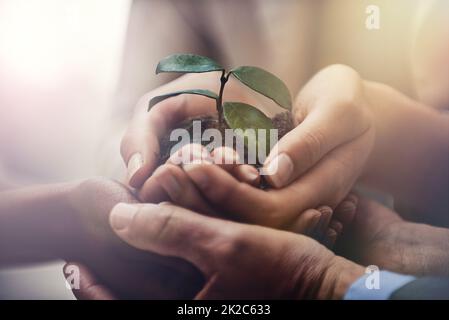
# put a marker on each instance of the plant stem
(224, 78)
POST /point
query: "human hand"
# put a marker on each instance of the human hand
(379, 236)
(231, 194)
(140, 144)
(238, 261)
(91, 243)
(339, 168)
(325, 153)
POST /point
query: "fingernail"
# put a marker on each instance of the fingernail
(199, 176)
(313, 223)
(352, 198)
(330, 238)
(250, 173)
(122, 215)
(134, 164)
(194, 153)
(325, 210)
(337, 226)
(326, 213)
(346, 207)
(279, 170)
(198, 156)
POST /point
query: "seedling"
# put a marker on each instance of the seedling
(234, 115)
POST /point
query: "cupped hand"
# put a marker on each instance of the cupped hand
(323, 156)
(217, 185)
(90, 244)
(140, 144)
(333, 130)
(319, 160)
(238, 261)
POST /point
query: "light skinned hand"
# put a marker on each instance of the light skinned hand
(171, 183)
(140, 144)
(327, 150)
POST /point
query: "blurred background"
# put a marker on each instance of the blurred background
(71, 72)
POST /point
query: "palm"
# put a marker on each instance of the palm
(372, 237)
(380, 237)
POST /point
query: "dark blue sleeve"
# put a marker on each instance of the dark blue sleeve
(426, 288)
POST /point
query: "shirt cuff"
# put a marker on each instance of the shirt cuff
(377, 286)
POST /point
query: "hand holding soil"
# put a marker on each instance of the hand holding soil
(304, 204)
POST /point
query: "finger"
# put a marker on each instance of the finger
(247, 173)
(330, 238)
(171, 231)
(323, 224)
(321, 131)
(240, 200)
(306, 222)
(228, 159)
(140, 144)
(273, 208)
(336, 225)
(171, 183)
(152, 191)
(332, 233)
(345, 211)
(330, 180)
(157, 189)
(190, 153)
(89, 286)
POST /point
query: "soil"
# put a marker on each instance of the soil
(282, 121)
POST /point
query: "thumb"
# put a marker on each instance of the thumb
(140, 145)
(306, 144)
(169, 230)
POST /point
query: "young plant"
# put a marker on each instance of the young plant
(236, 115)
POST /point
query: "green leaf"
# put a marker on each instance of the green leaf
(265, 83)
(200, 92)
(244, 116)
(187, 63)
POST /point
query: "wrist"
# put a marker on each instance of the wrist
(338, 277)
(413, 258)
(63, 220)
(32, 222)
(78, 199)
